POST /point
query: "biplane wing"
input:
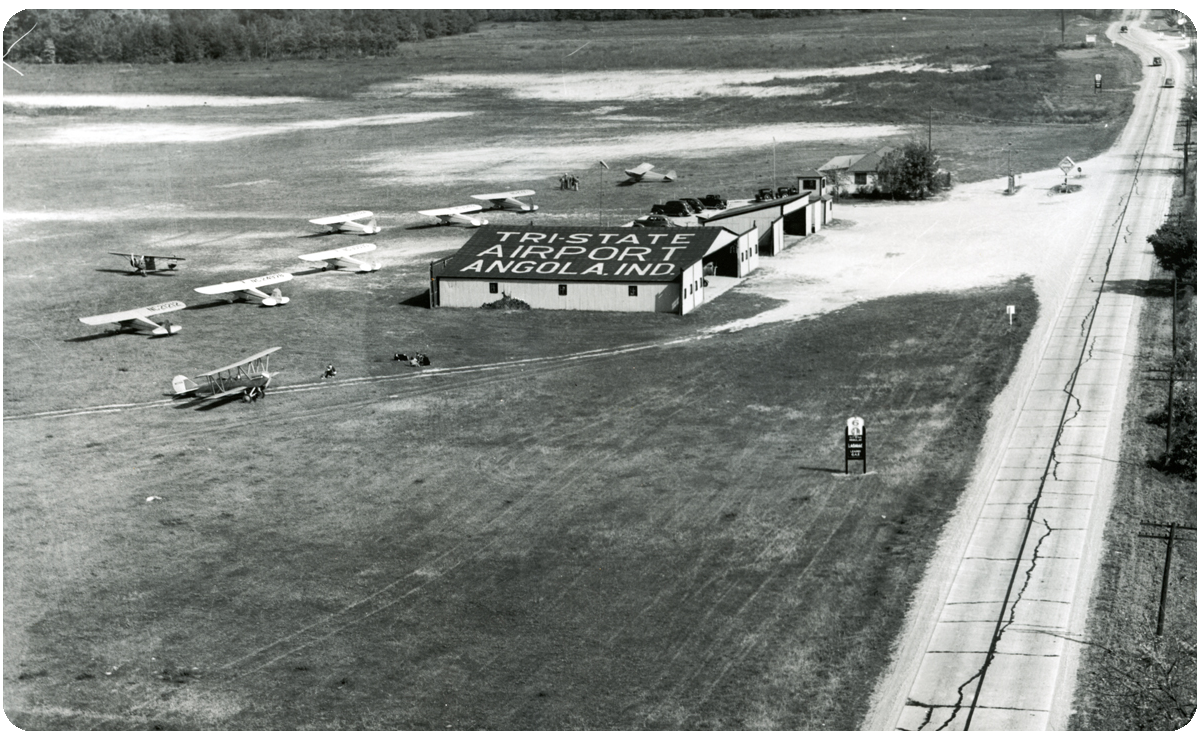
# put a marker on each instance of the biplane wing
(136, 318)
(248, 289)
(508, 201)
(143, 263)
(456, 215)
(356, 222)
(342, 258)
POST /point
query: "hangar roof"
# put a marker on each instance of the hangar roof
(583, 253)
(760, 206)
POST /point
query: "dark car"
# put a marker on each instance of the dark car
(714, 201)
(695, 204)
(1156, 62)
(653, 220)
(658, 209)
(677, 208)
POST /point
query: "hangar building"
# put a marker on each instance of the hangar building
(591, 268)
(791, 214)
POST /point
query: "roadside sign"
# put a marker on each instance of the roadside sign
(1011, 310)
(1099, 84)
(856, 441)
(1066, 165)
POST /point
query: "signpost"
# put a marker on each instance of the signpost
(1066, 165)
(1099, 82)
(1011, 310)
(856, 441)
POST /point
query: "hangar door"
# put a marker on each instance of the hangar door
(796, 222)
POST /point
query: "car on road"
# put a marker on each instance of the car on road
(1169, 82)
(1156, 62)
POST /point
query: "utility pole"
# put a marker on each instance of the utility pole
(1170, 538)
(774, 179)
(1187, 144)
(1062, 22)
(931, 129)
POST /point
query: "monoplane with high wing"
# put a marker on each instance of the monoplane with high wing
(248, 289)
(144, 263)
(249, 377)
(359, 222)
(644, 172)
(136, 319)
(342, 258)
(508, 201)
(456, 215)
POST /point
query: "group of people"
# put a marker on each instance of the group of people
(567, 181)
(420, 358)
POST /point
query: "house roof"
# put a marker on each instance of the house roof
(868, 162)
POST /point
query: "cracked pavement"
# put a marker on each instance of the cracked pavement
(992, 639)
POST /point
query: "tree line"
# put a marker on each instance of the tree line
(180, 36)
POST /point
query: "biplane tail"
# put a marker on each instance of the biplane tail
(670, 176)
(183, 385)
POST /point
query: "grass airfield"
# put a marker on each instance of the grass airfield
(571, 521)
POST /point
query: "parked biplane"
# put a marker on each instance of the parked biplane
(508, 201)
(644, 172)
(248, 377)
(135, 319)
(354, 223)
(144, 263)
(248, 290)
(456, 215)
(341, 258)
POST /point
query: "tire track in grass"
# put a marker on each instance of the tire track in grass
(443, 563)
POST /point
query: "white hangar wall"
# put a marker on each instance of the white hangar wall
(579, 296)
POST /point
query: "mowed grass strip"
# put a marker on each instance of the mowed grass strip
(654, 540)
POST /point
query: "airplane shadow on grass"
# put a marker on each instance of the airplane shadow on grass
(114, 333)
(210, 304)
(127, 273)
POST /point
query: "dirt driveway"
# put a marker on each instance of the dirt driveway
(974, 236)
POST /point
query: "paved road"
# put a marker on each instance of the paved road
(992, 640)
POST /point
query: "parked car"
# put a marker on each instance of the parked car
(677, 208)
(653, 220)
(695, 204)
(1169, 82)
(714, 201)
(658, 209)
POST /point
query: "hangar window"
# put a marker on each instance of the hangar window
(632, 291)
(562, 290)
(493, 287)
